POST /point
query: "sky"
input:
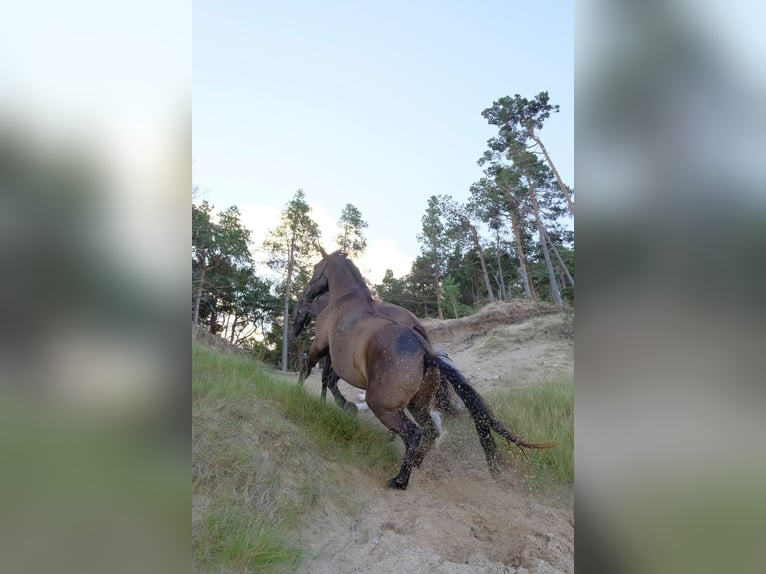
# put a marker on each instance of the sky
(375, 104)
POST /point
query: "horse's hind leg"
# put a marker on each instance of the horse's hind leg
(430, 432)
(411, 434)
(420, 408)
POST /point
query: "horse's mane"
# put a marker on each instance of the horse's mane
(357, 275)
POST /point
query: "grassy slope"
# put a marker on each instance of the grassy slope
(263, 452)
(266, 451)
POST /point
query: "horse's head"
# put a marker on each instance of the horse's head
(305, 312)
(318, 284)
(301, 318)
(335, 268)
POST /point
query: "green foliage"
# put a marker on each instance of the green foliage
(390, 287)
(452, 304)
(221, 238)
(351, 239)
(422, 288)
(294, 242)
(518, 118)
(220, 262)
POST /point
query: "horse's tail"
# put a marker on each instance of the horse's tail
(479, 410)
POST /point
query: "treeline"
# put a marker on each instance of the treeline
(509, 239)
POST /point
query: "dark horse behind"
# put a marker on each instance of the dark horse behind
(397, 366)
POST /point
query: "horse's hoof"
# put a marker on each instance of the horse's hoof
(351, 409)
(395, 483)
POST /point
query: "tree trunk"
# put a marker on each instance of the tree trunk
(234, 319)
(213, 321)
(555, 294)
(477, 245)
(437, 286)
(555, 173)
(562, 265)
(497, 278)
(286, 313)
(529, 290)
(503, 293)
(345, 238)
(198, 296)
(439, 310)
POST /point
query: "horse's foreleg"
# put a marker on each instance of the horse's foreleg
(316, 353)
(325, 376)
(330, 380)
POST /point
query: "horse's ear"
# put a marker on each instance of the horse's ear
(323, 252)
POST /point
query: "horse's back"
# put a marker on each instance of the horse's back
(403, 316)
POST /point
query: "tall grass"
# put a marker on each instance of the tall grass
(245, 540)
(541, 413)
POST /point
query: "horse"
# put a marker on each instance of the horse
(397, 366)
(305, 312)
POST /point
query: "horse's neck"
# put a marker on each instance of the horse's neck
(344, 283)
(350, 292)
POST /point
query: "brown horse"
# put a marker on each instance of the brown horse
(304, 313)
(395, 364)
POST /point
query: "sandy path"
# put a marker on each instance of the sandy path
(453, 518)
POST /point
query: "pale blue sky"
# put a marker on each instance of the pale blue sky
(376, 104)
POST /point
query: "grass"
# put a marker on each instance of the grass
(229, 378)
(265, 451)
(245, 540)
(541, 413)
